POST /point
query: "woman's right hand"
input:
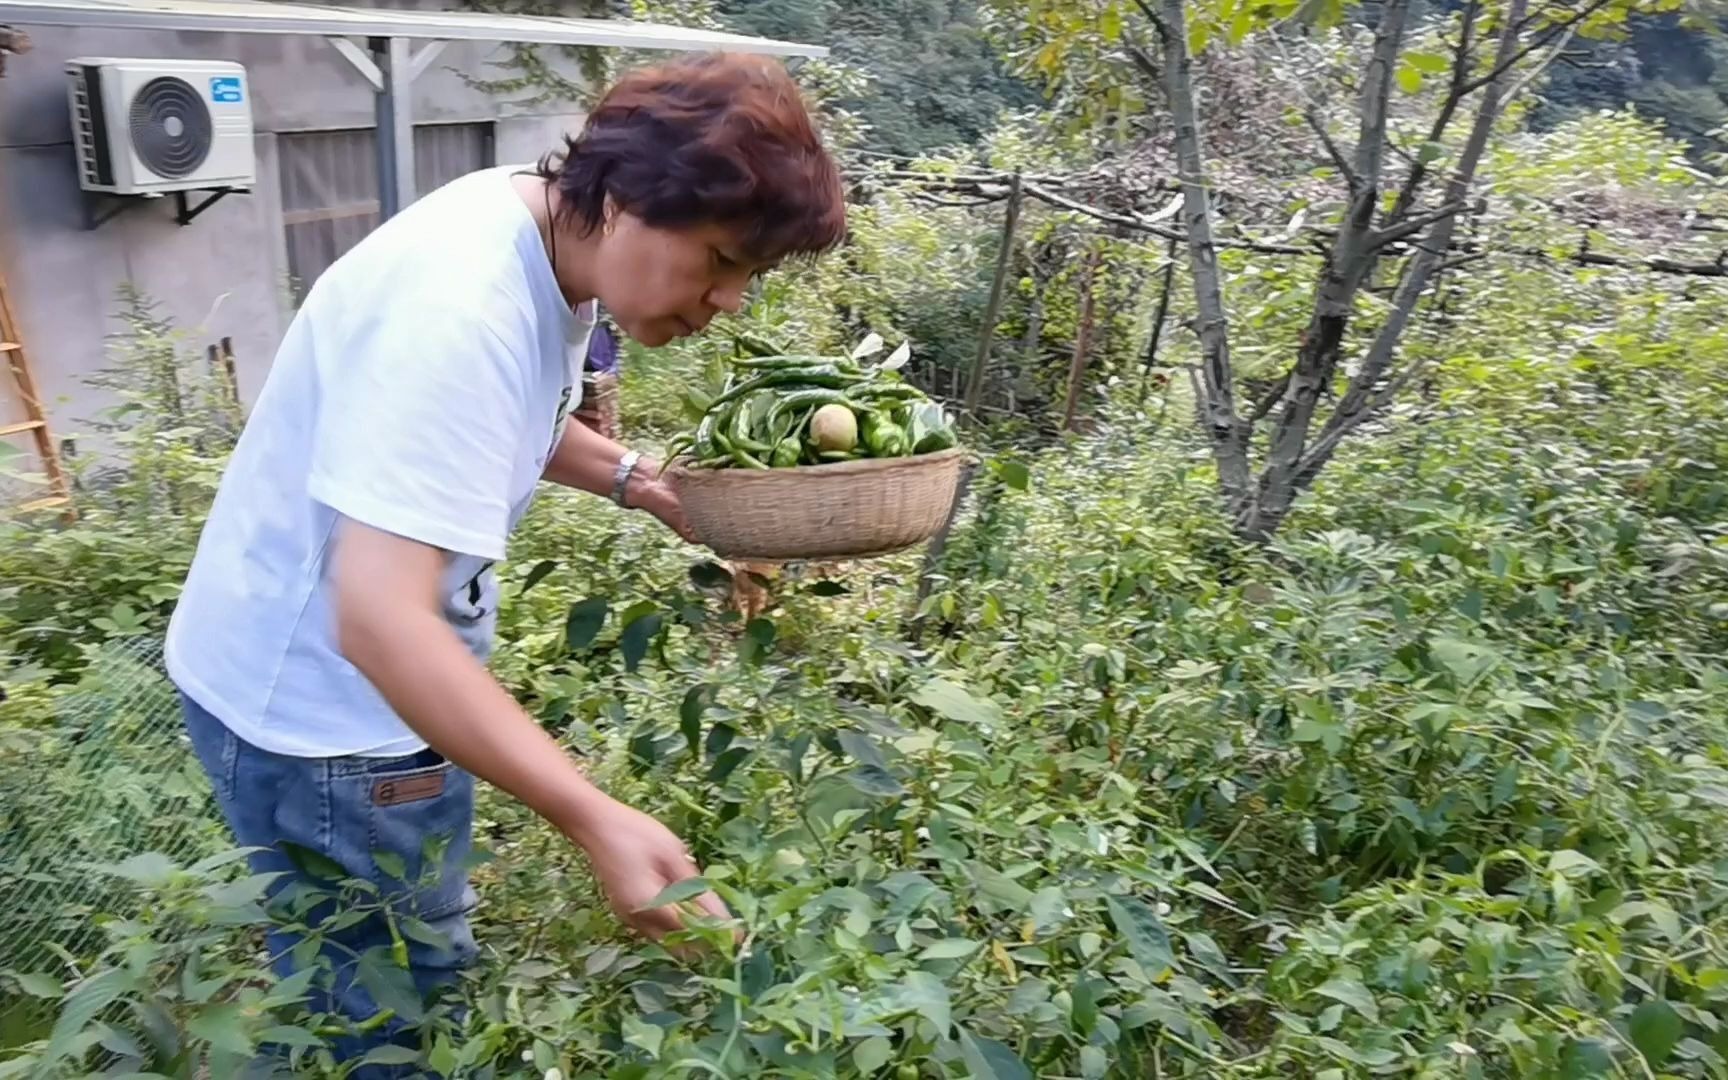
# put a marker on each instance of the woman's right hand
(635, 858)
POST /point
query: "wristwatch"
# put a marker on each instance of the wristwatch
(621, 478)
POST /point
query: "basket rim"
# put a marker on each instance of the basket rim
(827, 468)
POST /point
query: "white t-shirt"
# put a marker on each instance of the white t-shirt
(419, 390)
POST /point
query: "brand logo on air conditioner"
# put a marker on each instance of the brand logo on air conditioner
(225, 90)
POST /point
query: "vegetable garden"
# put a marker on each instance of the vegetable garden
(1427, 777)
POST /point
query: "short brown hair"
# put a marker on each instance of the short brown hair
(709, 138)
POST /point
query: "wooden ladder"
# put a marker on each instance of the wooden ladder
(36, 423)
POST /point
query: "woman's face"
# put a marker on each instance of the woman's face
(661, 284)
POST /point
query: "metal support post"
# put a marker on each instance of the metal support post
(395, 125)
(390, 67)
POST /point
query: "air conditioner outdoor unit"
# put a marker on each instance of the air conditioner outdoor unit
(144, 127)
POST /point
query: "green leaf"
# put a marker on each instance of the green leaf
(875, 780)
(1409, 80)
(861, 748)
(584, 622)
(762, 631)
(924, 994)
(758, 973)
(86, 1001)
(999, 886)
(150, 868)
(392, 864)
(538, 574)
(1351, 993)
(1048, 908)
(634, 641)
(1572, 863)
(727, 762)
(639, 1032)
(1585, 1059)
(443, 1060)
(690, 716)
(1015, 475)
(1147, 939)
(415, 930)
(1094, 1063)
(1505, 784)
(1428, 63)
(949, 949)
(869, 1056)
(954, 702)
(1661, 916)
(678, 892)
(224, 1028)
(1656, 1028)
(987, 1059)
(391, 1054)
(390, 985)
(288, 1035)
(37, 984)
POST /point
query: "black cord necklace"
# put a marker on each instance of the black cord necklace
(551, 236)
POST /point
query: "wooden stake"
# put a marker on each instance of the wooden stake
(993, 309)
(1082, 341)
(1158, 319)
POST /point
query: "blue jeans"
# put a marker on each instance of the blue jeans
(373, 818)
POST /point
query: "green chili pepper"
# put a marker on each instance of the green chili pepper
(779, 361)
(883, 436)
(754, 345)
(738, 429)
(824, 376)
(786, 454)
(704, 447)
(803, 399)
(744, 458)
(874, 391)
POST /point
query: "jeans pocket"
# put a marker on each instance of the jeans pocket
(419, 827)
(217, 747)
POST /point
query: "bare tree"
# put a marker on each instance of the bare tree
(1301, 433)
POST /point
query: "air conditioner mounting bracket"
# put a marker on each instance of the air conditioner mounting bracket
(184, 209)
(184, 213)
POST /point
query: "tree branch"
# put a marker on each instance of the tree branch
(1145, 63)
(1228, 434)
(1332, 151)
(1146, 9)
(1273, 395)
(1455, 94)
(1654, 264)
(962, 204)
(1394, 233)
(1501, 66)
(1364, 387)
(1144, 225)
(1350, 265)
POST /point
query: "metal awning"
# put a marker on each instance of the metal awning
(268, 17)
(376, 41)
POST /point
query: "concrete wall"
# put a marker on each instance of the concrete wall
(224, 275)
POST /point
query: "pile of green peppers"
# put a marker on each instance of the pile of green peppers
(762, 416)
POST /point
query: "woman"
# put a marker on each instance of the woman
(331, 637)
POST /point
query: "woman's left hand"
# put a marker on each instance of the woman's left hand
(648, 492)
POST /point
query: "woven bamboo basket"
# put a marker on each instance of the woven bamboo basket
(845, 510)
